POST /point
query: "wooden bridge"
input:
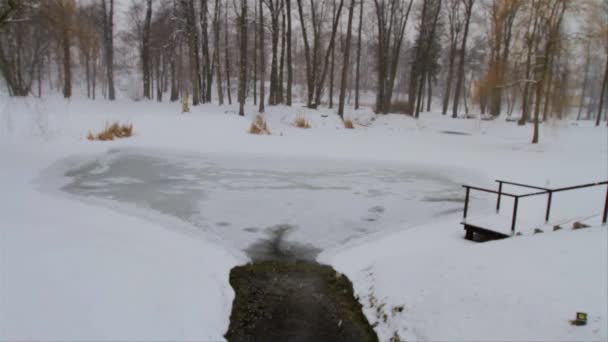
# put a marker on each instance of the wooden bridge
(488, 229)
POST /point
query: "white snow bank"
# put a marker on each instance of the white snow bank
(71, 271)
(524, 288)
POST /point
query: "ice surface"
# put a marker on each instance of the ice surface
(243, 199)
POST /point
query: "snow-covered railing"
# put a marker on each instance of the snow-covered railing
(543, 190)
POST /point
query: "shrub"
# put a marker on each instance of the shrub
(348, 123)
(401, 107)
(112, 131)
(301, 122)
(259, 126)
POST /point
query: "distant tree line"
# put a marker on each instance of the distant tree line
(498, 56)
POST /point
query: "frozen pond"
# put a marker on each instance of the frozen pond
(243, 200)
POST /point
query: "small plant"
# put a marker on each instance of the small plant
(348, 123)
(259, 126)
(112, 131)
(301, 122)
(579, 225)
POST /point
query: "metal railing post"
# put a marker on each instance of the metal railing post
(466, 203)
(514, 216)
(548, 206)
(498, 198)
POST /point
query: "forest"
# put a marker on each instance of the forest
(527, 60)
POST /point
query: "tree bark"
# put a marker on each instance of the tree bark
(192, 35)
(207, 69)
(108, 31)
(460, 76)
(216, 51)
(280, 90)
(227, 65)
(585, 81)
(145, 53)
(602, 95)
(346, 61)
(358, 56)
(243, 58)
(262, 58)
(289, 61)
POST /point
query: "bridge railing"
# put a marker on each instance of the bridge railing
(541, 191)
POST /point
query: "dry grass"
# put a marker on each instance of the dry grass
(301, 122)
(259, 126)
(579, 225)
(348, 123)
(112, 131)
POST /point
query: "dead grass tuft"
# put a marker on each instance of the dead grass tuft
(115, 130)
(259, 126)
(348, 123)
(301, 121)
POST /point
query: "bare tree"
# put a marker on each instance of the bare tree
(22, 47)
(391, 17)
(468, 7)
(262, 57)
(346, 62)
(108, 33)
(552, 19)
(316, 67)
(455, 29)
(242, 20)
(289, 56)
(357, 73)
(275, 7)
(216, 51)
(227, 59)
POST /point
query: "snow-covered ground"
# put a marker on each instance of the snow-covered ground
(134, 239)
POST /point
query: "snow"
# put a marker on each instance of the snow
(526, 288)
(107, 252)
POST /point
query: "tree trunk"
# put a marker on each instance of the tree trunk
(332, 65)
(602, 95)
(67, 62)
(429, 90)
(174, 91)
(346, 62)
(273, 7)
(289, 62)
(227, 64)
(525, 98)
(192, 35)
(145, 53)
(460, 75)
(358, 56)
(87, 62)
(159, 88)
(108, 21)
(207, 69)
(93, 90)
(585, 81)
(216, 51)
(280, 90)
(262, 58)
(243, 58)
(448, 83)
(332, 40)
(255, 53)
